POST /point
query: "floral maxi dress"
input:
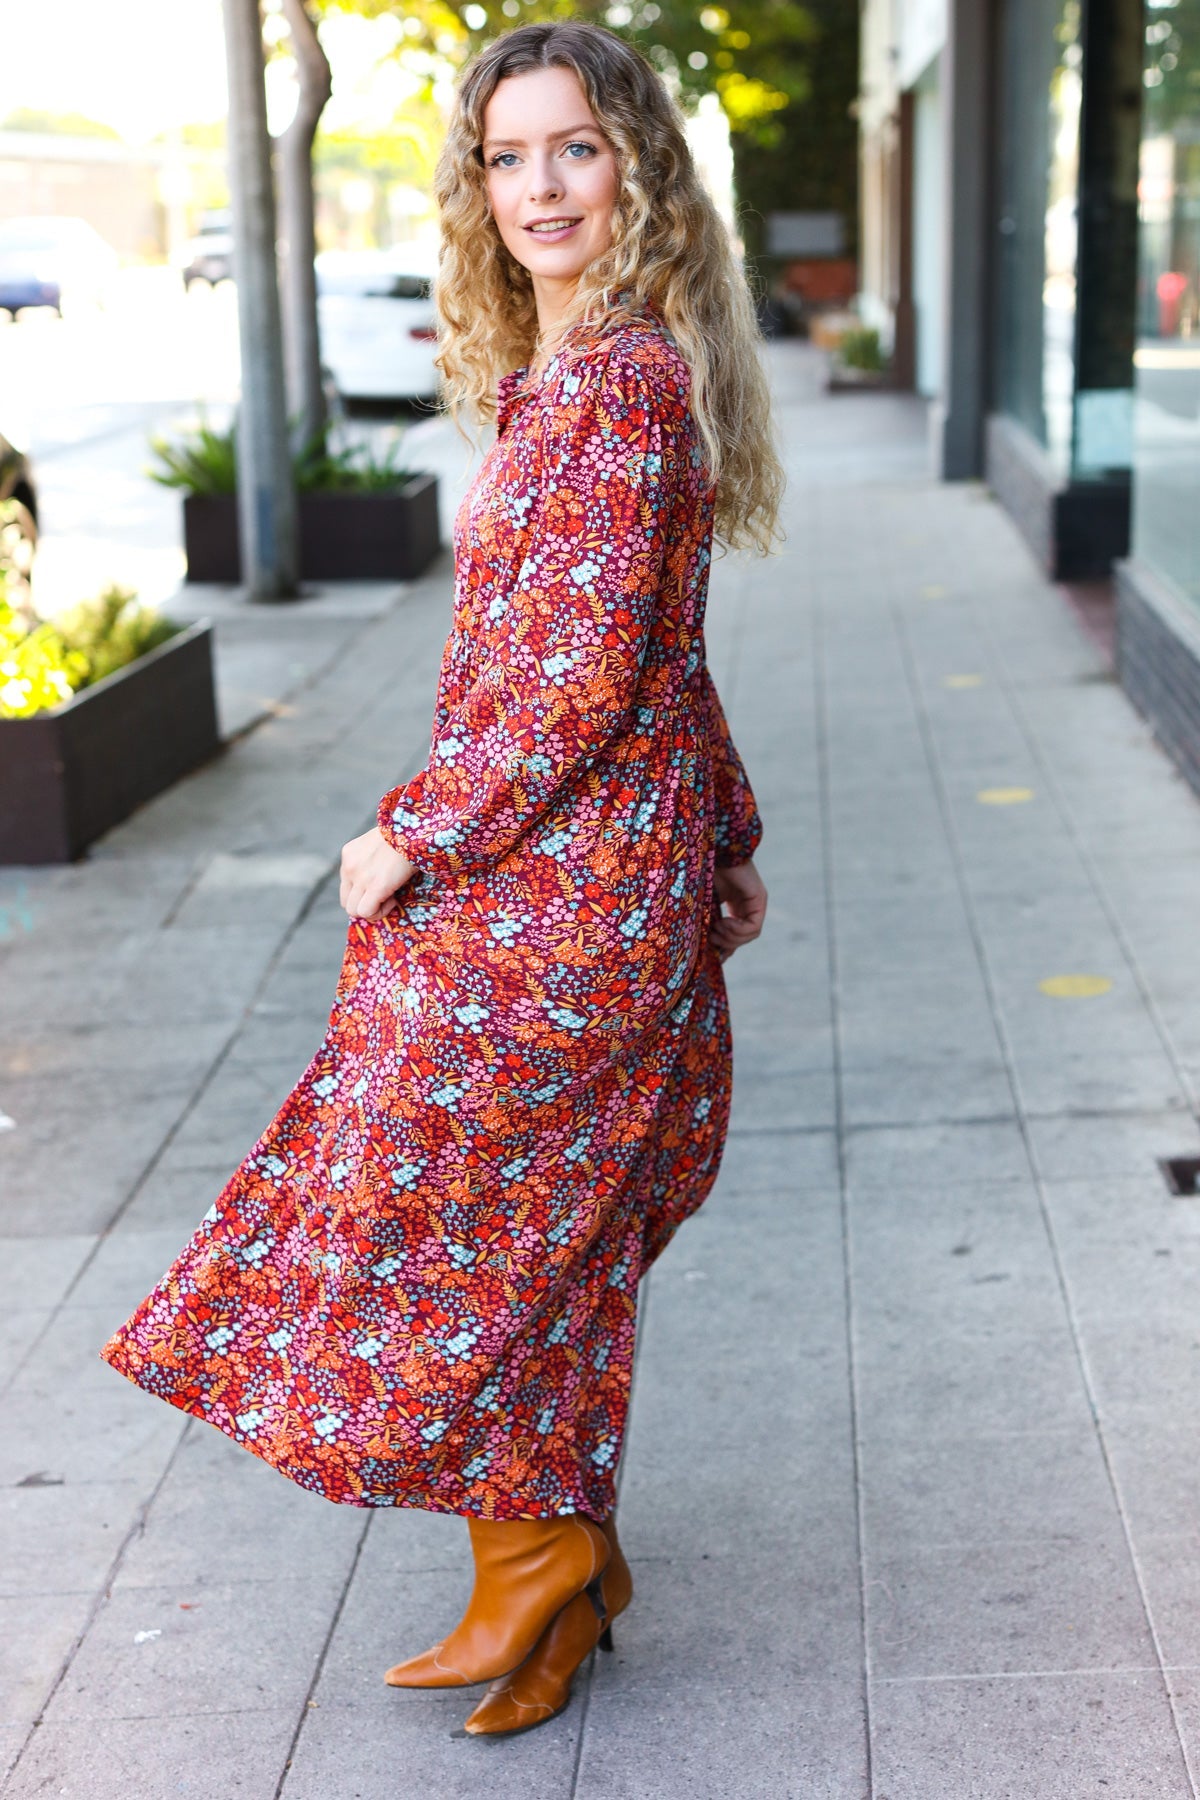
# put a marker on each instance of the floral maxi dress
(419, 1288)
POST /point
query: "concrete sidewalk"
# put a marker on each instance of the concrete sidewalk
(912, 1485)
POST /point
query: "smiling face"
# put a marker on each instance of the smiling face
(552, 181)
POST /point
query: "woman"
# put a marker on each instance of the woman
(419, 1289)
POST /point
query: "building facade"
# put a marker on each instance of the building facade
(1159, 583)
(143, 200)
(1030, 177)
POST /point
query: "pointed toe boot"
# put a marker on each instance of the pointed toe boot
(526, 1571)
(541, 1687)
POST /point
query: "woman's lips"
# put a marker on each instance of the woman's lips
(552, 231)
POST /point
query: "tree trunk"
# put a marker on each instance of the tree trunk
(301, 334)
(266, 488)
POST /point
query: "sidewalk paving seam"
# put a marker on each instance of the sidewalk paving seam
(585, 1703)
(585, 1689)
(270, 709)
(198, 1093)
(945, 810)
(1095, 879)
(322, 1654)
(819, 1130)
(964, 1121)
(829, 899)
(1087, 1674)
(103, 1592)
(435, 578)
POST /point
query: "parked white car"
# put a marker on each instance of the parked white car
(378, 331)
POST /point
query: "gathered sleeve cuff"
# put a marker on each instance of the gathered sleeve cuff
(739, 828)
(564, 644)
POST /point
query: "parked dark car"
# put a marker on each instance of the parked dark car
(209, 255)
(18, 535)
(52, 261)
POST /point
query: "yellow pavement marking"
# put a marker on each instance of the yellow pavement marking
(1000, 796)
(1074, 987)
(962, 681)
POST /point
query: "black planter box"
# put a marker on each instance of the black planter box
(67, 776)
(343, 537)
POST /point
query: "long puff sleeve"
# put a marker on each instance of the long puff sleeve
(739, 829)
(563, 644)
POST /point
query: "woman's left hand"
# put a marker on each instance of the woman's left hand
(372, 875)
(742, 895)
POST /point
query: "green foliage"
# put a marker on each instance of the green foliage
(756, 55)
(354, 469)
(785, 71)
(44, 663)
(808, 161)
(860, 349)
(206, 463)
(112, 630)
(69, 124)
(406, 151)
(1171, 76)
(203, 463)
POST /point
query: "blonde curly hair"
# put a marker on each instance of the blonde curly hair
(670, 251)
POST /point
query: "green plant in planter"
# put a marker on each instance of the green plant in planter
(112, 630)
(38, 669)
(860, 348)
(205, 462)
(354, 469)
(44, 663)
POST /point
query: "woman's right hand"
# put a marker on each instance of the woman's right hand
(372, 875)
(742, 894)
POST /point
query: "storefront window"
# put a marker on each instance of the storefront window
(1166, 522)
(1040, 91)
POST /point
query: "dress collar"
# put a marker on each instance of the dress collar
(518, 385)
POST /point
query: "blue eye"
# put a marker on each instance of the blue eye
(588, 150)
(503, 159)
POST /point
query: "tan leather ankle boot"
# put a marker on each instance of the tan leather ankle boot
(618, 1581)
(526, 1570)
(541, 1687)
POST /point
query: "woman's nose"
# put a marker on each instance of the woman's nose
(546, 185)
